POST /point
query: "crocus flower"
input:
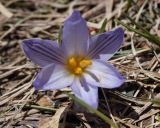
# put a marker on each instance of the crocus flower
(78, 62)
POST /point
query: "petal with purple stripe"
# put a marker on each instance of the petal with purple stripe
(105, 45)
(53, 77)
(43, 52)
(107, 75)
(85, 92)
(75, 35)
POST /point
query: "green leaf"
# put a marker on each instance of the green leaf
(129, 4)
(137, 25)
(60, 35)
(41, 108)
(156, 101)
(147, 35)
(102, 29)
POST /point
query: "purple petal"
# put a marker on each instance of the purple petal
(105, 45)
(107, 75)
(75, 35)
(42, 52)
(53, 77)
(89, 95)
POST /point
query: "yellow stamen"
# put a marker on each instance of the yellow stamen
(77, 65)
(85, 63)
(78, 71)
(72, 62)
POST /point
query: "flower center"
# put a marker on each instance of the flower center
(77, 65)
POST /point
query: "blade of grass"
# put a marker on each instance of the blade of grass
(156, 101)
(102, 29)
(129, 4)
(60, 35)
(41, 108)
(152, 38)
(137, 25)
(125, 53)
(98, 113)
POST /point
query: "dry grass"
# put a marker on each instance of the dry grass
(138, 60)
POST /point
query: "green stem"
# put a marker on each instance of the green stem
(98, 113)
(41, 108)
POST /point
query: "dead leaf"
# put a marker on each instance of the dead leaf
(45, 101)
(5, 11)
(54, 122)
(43, 121)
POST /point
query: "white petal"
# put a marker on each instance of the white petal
(107, 75)
(53, 77)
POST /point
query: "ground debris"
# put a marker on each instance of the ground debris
(138, 60)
